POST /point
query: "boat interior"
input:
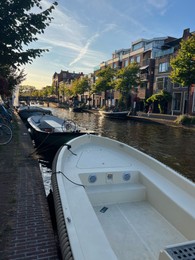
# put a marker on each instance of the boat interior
(128, 206)
(137, 221)
(53, 124)
(131, 214)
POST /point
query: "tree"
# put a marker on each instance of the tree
(104, 80)
(12, 79)
(162, 98)
(80, 86)
(26, 91)
(127, 78)
(18, 28)
(15, 78)
(183, 65)
(61, 89)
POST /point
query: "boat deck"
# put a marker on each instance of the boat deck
(136, 223)
(123, 204)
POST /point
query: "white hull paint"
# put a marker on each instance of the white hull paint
(114, 115)
(134, 209)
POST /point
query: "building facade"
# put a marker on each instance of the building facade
(153, 56)
(64, 78)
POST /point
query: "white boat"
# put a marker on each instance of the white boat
(114, 114)
(52, 132)
(115, 202)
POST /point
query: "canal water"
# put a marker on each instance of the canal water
(173, 146)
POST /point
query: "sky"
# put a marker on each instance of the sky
(85, 33)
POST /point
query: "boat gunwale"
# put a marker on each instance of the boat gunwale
(73, 148)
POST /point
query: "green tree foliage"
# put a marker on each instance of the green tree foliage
(15, 78)
(183, 65)
(62, 89)
(48, 91)
(127, 78)
(12, 79)
(26, 90)
(105, 81)
(18, 28)
(68, 91)
(162, 98)
(80, 86)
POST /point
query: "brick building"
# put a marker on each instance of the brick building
(64, 77)
(153, 56)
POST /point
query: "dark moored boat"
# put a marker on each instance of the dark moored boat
(53, 132)
(27, 111)
(114, 114)
(76, 109)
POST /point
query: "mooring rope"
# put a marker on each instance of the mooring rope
(78, 184)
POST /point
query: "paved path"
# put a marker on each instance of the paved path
(26, 230)
(155, 118)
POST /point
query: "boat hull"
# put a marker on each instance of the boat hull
(52, 140)
(119, 203)
(50, 132)
(32, 111)
(114, 115)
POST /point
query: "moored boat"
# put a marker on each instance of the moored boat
(114, 114)
(115, 202)
(52, 132)
(27, 111)
(76, 109)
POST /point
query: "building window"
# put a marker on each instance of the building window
(162, 83)
(125, 63)
(138, 59)
(163, 67)
(114, 65)
(131, 59)
(137, 46)
(159, 83)
(175, 85)
(177, 101)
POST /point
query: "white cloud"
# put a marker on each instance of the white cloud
(109, 27)
(158, 3)
(84, 50)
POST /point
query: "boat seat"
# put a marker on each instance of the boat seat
(162, 192)
(50, 124)
(116, 193)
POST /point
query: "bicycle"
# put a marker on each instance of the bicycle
(5, 116)
(5, 134)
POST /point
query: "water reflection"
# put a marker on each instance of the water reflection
(173, 146)
(46, 175)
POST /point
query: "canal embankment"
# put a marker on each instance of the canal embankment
(26, 230)
(155, 118)
(165, 119)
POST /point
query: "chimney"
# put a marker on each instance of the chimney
(186, 33)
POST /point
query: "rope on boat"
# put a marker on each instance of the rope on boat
(61, 225)
(37, 148)
(78, 184)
